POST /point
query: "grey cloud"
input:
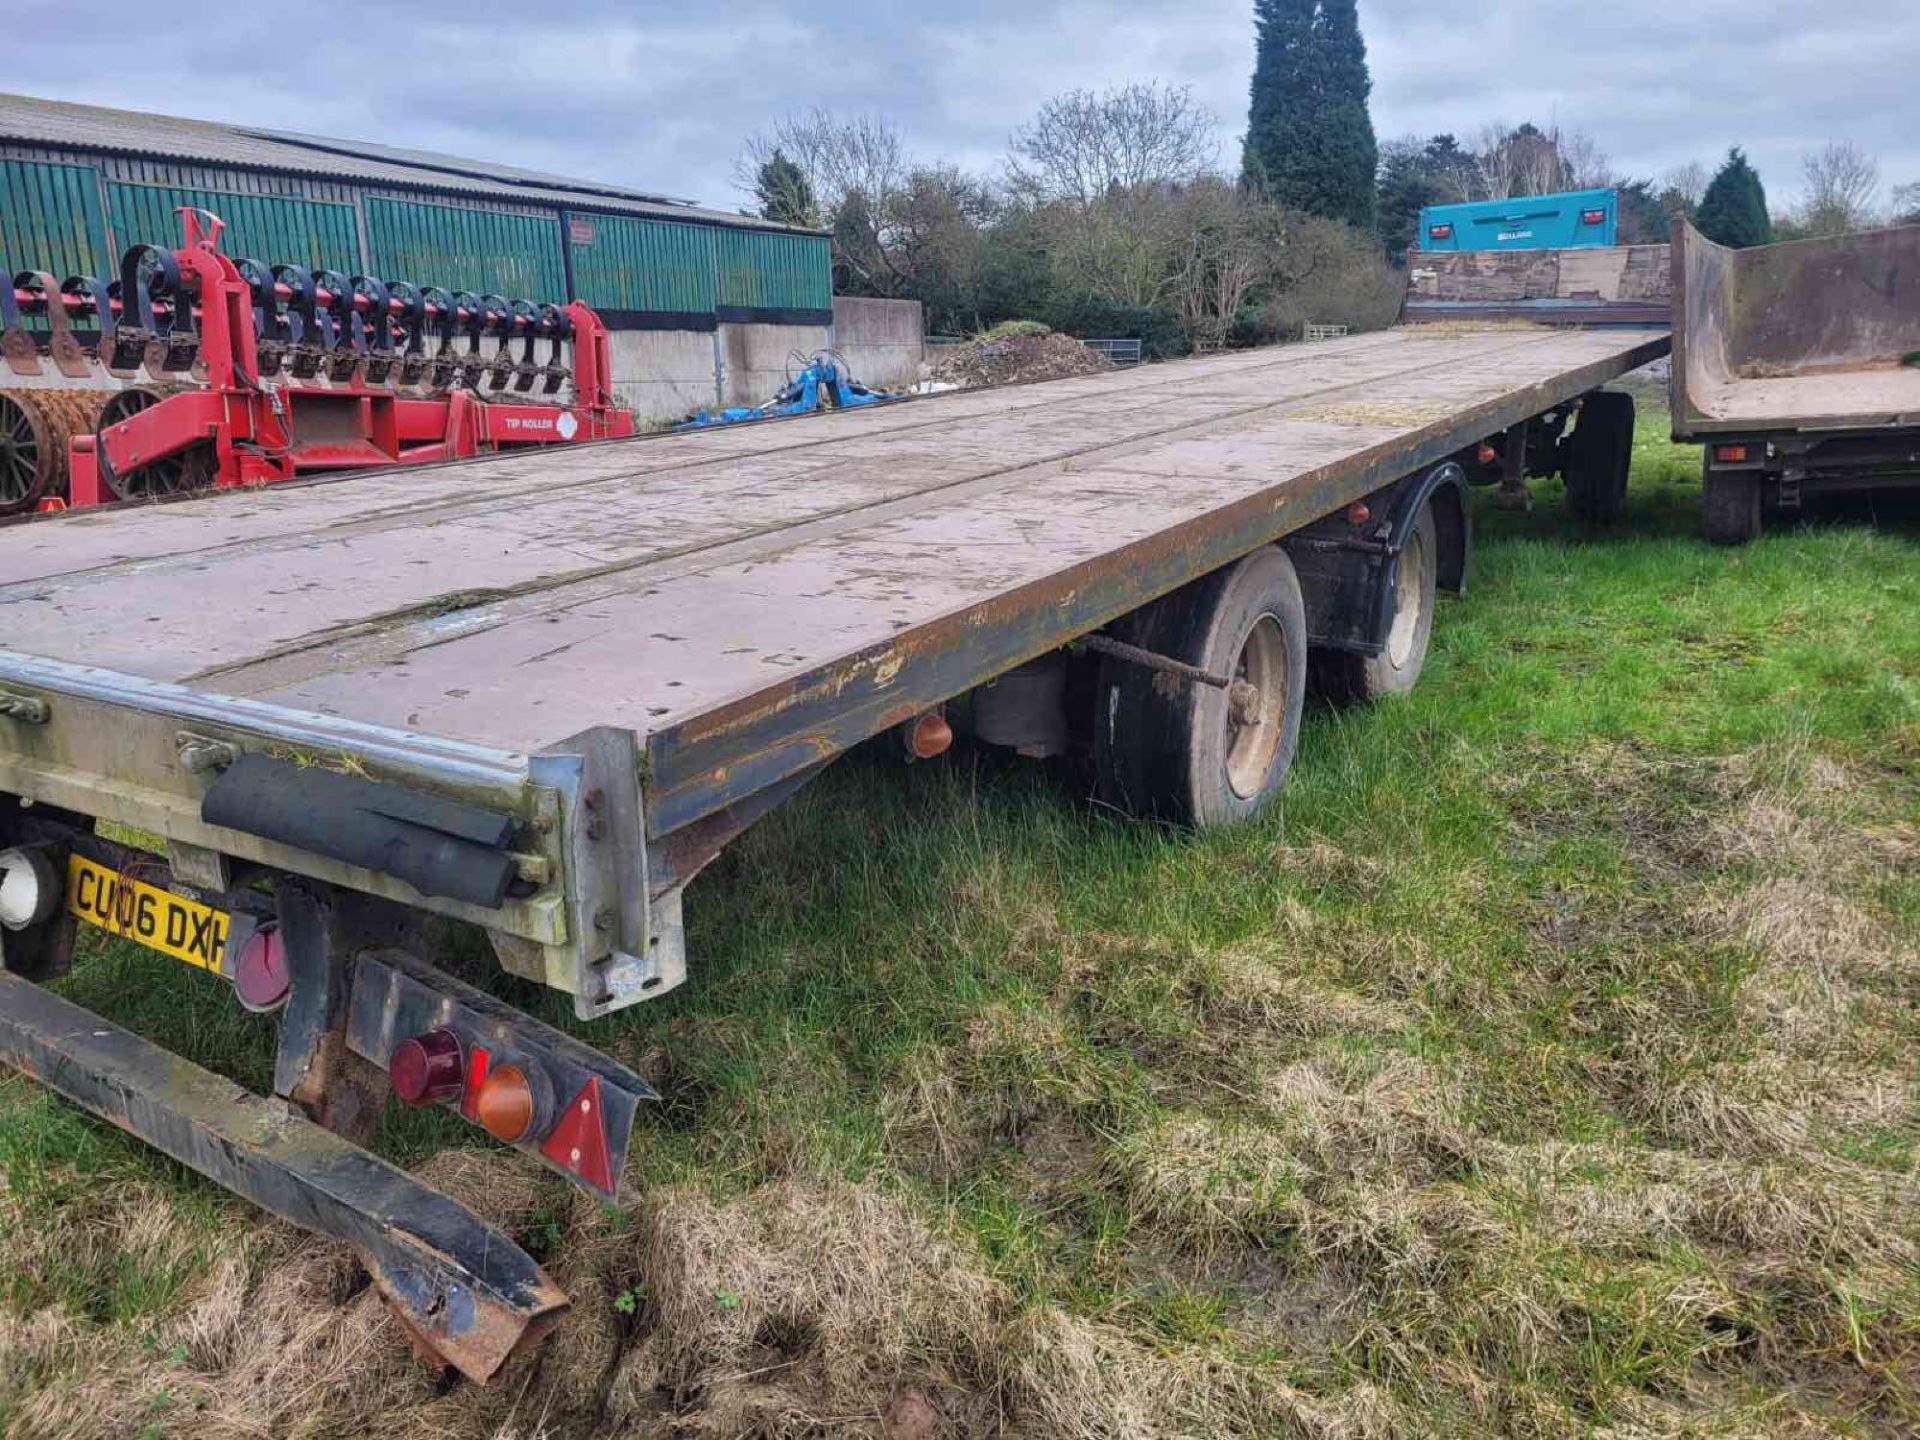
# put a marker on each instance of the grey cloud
(662, 97)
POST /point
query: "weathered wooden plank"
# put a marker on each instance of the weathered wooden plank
(754, 600)
(173, 617)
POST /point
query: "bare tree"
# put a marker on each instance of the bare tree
(1084, 146)
(839, 155)
(1526, 160)
(1583, 164)
(1843, 182)
(1906, 204)
(1226, 244)
(1099, 172)
(1685, 183)
(1495, 163)
(855, 168)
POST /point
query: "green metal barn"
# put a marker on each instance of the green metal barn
(705, 305)
(78, 184)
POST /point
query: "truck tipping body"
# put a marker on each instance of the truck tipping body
(1798, 366)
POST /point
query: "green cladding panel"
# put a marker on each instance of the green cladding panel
(50, 220)
(274, 229)
(517, 256)
(656, 266)
(766, 270)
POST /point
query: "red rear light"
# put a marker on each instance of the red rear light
(1593, 217)
(1440, 232)
(1730, 454)
(427, 1068)
(260, 976)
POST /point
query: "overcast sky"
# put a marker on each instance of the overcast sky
(661, 96)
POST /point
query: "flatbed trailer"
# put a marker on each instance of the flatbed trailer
(1797, 368)
(538, 693)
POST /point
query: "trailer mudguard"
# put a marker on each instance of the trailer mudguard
(1348, 570)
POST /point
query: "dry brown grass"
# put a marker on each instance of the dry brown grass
(1640, 1164)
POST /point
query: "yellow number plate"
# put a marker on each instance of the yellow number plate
(158, 919)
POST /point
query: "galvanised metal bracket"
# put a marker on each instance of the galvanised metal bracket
(620, 954)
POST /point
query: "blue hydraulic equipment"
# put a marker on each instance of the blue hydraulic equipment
(821, 384)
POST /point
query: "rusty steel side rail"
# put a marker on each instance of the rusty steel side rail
(467, 1293)
(703, 765)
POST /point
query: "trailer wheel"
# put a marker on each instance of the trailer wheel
(1599, 455)
(1176, 749)
(1344, 676)
(1729, 504)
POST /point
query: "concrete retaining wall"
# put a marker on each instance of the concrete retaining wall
(884, 340)
(757, 359)
(662, 374)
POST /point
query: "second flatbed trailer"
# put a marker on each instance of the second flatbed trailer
(538, 693)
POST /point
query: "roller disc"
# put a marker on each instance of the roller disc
(188, 470)
(35, 426)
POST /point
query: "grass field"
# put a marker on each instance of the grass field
(1545, 1064)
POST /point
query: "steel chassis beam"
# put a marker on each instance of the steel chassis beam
(469, 1295)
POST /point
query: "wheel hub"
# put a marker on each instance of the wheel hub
(1256, 706)
(1408, 594)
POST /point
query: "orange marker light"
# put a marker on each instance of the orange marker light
(930, 736)
(505, 1105)
(1732, 454)
(1358, 513)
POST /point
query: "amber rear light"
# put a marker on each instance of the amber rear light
(505, 1107)
(929, 736)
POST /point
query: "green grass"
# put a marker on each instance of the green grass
(1543, 1063)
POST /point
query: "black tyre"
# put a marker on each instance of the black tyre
(1729, 504)
(1190, 753)
(1362, 679)
(1599, 455)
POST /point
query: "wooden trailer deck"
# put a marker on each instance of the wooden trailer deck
(753, 600)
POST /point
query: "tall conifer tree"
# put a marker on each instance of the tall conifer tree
(1310, 142)
(1733, 211)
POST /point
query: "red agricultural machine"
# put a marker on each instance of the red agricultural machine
(256, 373)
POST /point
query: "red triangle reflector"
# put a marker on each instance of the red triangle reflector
(578, 1141)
